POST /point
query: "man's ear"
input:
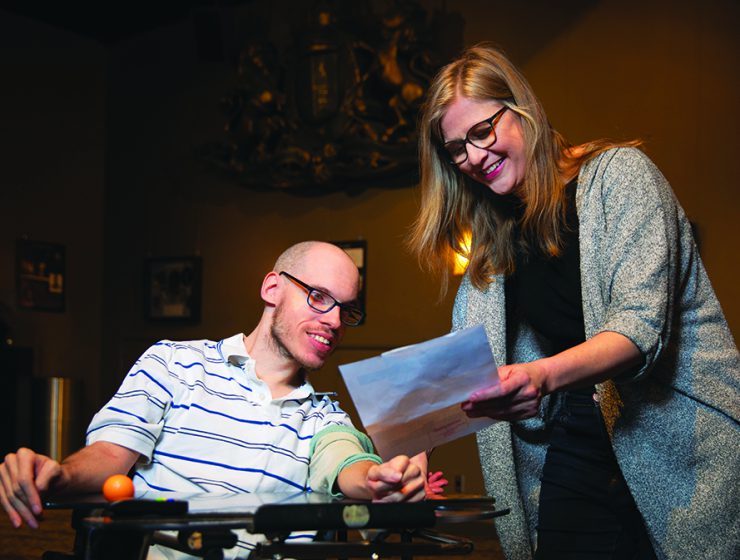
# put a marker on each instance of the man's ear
(270, 291)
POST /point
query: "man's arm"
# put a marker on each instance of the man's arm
(342, 461)
(25, 476)
(397, 480)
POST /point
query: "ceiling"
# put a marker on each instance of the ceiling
(106, 21)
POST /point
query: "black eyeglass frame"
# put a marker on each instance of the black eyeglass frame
(345, 309)
(490, 122)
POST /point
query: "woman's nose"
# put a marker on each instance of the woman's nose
(475, 154)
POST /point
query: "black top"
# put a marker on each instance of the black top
(546, 291)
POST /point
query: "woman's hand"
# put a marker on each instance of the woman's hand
(522, 386)
(517, 396)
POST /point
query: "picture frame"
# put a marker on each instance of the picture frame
(357, 251)
(40, 275)
(172, 289)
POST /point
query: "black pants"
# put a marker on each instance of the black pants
(586, 511)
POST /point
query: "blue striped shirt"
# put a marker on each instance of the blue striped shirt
(203, 422)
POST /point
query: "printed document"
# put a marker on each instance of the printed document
(409, 398)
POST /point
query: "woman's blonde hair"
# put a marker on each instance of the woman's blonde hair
(453, 205)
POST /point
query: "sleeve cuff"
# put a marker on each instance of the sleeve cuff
(333, 449)
(125, 439)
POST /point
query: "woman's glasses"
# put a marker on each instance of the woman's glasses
(481, 135)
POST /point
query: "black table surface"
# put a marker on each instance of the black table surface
(259, 512)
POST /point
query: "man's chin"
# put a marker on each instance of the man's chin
(311, 361)
(312, 365)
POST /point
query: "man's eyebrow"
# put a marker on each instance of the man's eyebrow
(325, 290)
(329, 292)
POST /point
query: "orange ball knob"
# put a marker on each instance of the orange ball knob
(118, 487)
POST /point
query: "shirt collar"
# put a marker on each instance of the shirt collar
(305, 391)
(233, 351)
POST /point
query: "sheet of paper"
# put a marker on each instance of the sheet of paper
(409, 398)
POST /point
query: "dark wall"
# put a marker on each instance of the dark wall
(110, 156)
(52, 145)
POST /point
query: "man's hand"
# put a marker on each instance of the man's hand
(517, 396)
(24, 477)
(435, 482)
(398, 480)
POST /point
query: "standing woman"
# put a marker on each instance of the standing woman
(621, 385)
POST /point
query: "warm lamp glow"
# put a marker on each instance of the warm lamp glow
(461, 259)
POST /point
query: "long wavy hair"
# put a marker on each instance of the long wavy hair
(453, 205)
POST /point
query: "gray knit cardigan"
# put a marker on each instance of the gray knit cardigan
(673, 424)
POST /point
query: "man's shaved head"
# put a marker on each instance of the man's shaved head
(295, 258)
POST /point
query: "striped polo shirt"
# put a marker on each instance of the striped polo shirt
(203, 422)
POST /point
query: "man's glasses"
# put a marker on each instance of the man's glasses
(323, 303)
(481, 135)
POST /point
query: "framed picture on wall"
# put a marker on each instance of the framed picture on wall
(172, 289)
(40, 275)
(357, 250)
